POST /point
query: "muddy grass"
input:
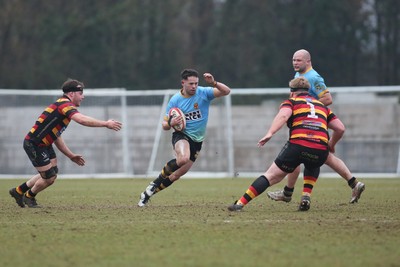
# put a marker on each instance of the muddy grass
(97, 223)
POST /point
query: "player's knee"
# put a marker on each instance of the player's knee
(182, 161)
(50, 174)
(172, 166)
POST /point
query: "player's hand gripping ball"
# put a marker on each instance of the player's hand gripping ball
(176, 112)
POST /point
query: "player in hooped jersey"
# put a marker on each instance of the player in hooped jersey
(303, 67)
(194, 101)
(46, 131)
(308, 121)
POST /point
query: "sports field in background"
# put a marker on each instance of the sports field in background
(95, 222)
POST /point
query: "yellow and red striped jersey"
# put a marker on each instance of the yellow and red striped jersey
(308, 124)
(52, 122)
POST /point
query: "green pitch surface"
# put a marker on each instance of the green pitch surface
(95, 222)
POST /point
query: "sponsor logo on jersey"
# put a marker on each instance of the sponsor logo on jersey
(192, 116)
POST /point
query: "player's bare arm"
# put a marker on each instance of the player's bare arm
(338, 131)
(221, 89)
(171, 122)
(279, 120)
(92, 122)
(60, 144)
(326, 99)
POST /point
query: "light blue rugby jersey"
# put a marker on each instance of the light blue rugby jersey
(195, 109)
(318, 87)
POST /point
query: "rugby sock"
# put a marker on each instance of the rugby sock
(168, 169)
(309, 182)
(22, 188)
(256, 188)
(352, 182)
(287, 191)
(30, 194)
(158, 180)
(165, 183)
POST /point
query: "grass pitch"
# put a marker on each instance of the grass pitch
(95, 222)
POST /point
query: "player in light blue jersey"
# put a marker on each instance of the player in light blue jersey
(195, 109)
(194, 101)
(318, 88)
(303, 67)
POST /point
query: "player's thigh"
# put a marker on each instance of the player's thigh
(288, 158)
(182, 150)
(42, 157)
(314, 158)
(274, 174)
(333, 161)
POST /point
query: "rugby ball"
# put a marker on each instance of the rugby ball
(176, 112)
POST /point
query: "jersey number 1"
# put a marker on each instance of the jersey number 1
(312, 111)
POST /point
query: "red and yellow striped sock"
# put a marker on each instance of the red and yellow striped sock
(256, 188)
(309, 182)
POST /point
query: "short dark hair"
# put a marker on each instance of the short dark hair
(71, 85)
(189, 73)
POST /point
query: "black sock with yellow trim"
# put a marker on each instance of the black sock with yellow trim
(165, 183)
(30, 194)
(22, 188)
(168, 169)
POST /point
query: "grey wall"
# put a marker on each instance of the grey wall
(371, 142)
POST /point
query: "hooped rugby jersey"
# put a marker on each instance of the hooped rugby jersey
(195, 108)
(309, 121)
(52, 122)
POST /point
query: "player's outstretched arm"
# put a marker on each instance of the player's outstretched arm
(280, 119)
(92, 122)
